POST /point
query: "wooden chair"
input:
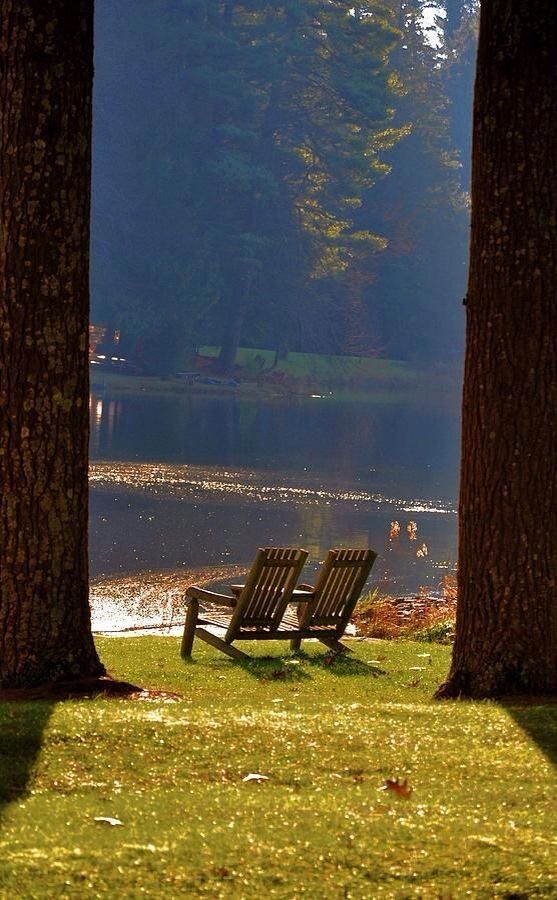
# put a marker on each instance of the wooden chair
(255, 613)
(332, 600)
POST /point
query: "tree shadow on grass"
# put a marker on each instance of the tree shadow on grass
(24, 715)
(22, 726)
(538, 719)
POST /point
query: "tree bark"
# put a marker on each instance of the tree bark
(46, 72)
(231, 339)
(238, 308)
(239, 304)
(506, 630)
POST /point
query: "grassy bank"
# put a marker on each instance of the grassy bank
(481, 820)
(302, 374)
(326, 368)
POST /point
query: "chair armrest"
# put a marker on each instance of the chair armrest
(197, 593)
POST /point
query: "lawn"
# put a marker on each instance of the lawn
(480, 822)
(325, 368)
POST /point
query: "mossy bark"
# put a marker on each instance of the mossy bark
(46, 73)
(506, 630)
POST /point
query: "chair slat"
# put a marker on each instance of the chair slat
(338, 587)
(268, 588)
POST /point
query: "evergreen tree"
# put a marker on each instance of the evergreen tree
(246, 188)
(420, 207)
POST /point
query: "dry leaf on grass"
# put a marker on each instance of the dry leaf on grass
(397, 787)
(255, 776)
(108, 820)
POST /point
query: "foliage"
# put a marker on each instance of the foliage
(422, 207)
(328, 737)
(283, 174)
(438, 632)
(422, 618)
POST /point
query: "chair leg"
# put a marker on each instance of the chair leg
(335, 645)
(189, 629)
(220, 644)
(295, 644)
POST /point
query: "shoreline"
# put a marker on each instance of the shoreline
(152, 602)
(143, 602)
(422, 389)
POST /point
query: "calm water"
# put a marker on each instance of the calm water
(203, 480)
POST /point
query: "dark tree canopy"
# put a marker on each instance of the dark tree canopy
(283, 173)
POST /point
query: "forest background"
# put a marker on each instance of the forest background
(282, 176)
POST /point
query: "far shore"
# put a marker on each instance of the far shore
(420, 389)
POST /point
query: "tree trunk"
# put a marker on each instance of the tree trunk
(233, 331)
(238, 311)
(506, 630)
(46, 73)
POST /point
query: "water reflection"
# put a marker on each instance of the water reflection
(103, 420)
(197, 480)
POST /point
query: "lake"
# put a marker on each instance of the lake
(181, 482)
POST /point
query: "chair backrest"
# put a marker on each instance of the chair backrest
(267, 590)
(337, 589)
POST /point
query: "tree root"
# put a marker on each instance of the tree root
(454, 688)
(495, 685)
(82, 688)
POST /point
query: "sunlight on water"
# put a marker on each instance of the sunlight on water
(187, 482)
(150, 600)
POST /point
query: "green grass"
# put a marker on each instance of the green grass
(481, 821)
(322, 367)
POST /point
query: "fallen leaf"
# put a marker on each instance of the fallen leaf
(109, 820)
(397, 787)
(255, 776)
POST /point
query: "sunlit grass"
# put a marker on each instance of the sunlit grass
(481, 820)
(323, 366)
